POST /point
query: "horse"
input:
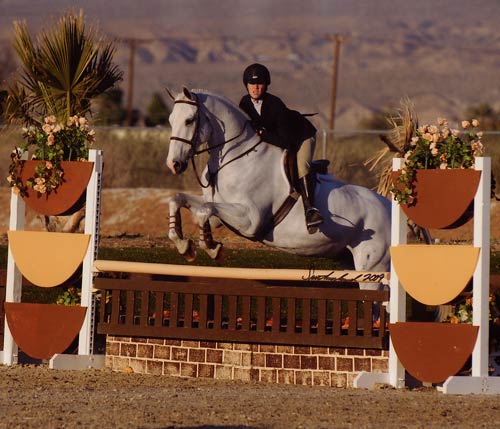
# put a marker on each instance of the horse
(244, 186)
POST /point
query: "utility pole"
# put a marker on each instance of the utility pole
(132, 43)
(336, 56)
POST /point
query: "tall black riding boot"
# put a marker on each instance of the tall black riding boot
(313, 216)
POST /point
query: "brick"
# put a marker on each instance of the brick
(172, 368)
(140, 340)
(173, 342)
(145, 351)
(274, 361)
(284, 349)
(161, 352)
(197, 355)
(355, 352)
(309, 362)
(112, 349)
(326, 363)
(191, 344)
(223, 372)
(154, 367)
(246, 359)
(337, 351)
(230, 357)
(243, 374)
(267, 348)
(243, 347)
(303, 378)
(319, 350)
(373, 352)
(189, 370)
(129, 350)
(291, 361)
(380, 365)
(120, 363)
(268, 375)
(321, 378)
(344, 364)
(225, 346)
(338, 380)
(156, 341)
(350, 379)
(286, 376)
(138, 366)
(362, 364)
(206, 371)
(179, 354)
(108, 362)
(258, 359)
(214, 356)
(254, 374)
(301, 350)
(208, 344)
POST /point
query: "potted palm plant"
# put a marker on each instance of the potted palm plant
(61, 72)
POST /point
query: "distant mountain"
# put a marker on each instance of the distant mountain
(443, 54)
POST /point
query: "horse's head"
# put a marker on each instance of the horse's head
(189, 129)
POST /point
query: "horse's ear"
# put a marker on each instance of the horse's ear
(169, 93)
(187, 93)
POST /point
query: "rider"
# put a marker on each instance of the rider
(285, 128)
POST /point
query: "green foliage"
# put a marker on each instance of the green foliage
(157, 111)
(62, 70)
(109, 107)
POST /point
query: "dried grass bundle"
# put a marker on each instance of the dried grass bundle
(404, 125)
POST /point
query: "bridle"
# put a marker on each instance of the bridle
(192, 143)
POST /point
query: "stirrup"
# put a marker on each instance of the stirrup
(313, 219)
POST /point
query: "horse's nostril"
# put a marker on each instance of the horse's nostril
(177, 166)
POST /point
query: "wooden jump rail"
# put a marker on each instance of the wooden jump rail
(272, 311)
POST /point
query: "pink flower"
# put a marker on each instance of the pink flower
(465, 124)
(475, 123)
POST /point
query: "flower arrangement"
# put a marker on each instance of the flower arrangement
(436, 147)
(70, 297)
(462, 313)
(54, 142)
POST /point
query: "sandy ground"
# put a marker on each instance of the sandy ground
(36, 397)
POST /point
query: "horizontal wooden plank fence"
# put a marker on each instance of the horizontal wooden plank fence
(247, 311)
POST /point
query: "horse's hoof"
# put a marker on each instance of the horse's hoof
(190, 253)
(215, 253)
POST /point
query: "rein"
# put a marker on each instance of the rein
(211, 175)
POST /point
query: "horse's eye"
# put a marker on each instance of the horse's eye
(189, 121)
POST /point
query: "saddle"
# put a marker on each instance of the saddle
(319, 166)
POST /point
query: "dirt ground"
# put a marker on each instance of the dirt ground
(36, 396)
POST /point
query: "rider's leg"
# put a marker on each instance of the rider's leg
(307, 182)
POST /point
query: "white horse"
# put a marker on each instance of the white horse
(244, 186)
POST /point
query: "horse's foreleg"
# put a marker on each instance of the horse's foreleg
(184, 246)
(206, 241)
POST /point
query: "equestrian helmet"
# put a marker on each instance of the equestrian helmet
(256, 73)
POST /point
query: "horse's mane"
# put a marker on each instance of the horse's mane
(221, 97)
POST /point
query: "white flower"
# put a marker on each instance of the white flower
(475, 123)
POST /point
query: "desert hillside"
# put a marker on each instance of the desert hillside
(443, 55)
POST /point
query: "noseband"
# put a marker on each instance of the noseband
(189, 142)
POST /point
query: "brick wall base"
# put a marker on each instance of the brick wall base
(318, 366)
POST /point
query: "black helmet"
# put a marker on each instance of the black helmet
(256, 73)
